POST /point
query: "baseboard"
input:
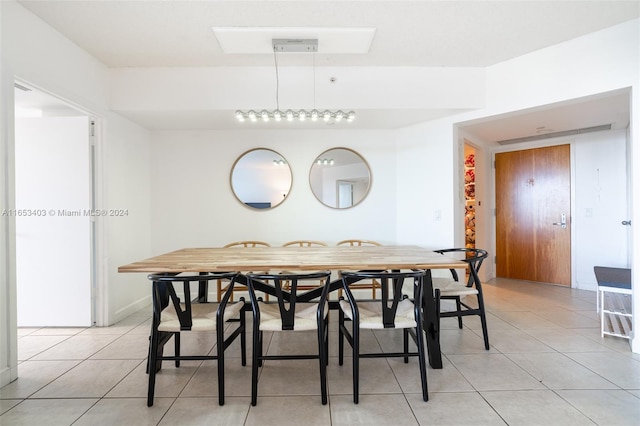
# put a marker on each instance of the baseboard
(590, 286)
(131, 309)
(6, 376)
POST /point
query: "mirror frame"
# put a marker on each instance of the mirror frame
(246, 203)
(364, 162)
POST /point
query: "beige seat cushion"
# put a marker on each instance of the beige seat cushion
(305, 316)
(371, 314)
(449, 287)
(203, 316)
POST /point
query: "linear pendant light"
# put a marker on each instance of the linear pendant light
(264, 115)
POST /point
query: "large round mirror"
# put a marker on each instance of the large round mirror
(261, 178)
(340, 178)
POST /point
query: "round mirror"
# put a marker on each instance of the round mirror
(340, 178)
(261, 178)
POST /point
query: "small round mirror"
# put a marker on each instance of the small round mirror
(261, 178)
(340, 178)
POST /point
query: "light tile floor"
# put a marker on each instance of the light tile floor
(547, 366)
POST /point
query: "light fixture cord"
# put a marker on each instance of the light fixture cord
(275, 60)
(314, 79)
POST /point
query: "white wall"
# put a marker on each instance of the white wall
(214, 88)
(193, 205)
(37, 54)
(127, 186)
(600, 190)
(426, 190)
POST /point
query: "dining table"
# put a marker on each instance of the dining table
(336, 258)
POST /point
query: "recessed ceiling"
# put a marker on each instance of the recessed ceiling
(155, 33)
(607, 108)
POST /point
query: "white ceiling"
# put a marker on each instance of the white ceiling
(179, 33)
(152, 33)
(611, 108)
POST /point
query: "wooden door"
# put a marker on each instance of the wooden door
(533, 192)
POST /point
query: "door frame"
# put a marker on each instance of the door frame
(99, 293)
(8, 323)
(533, 145)
(485, 228)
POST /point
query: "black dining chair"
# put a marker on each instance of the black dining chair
(453, 288)
(393, 310)
(173, 315)
(287, 314)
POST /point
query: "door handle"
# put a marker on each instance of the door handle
(563, 221)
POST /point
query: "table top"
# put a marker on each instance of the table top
(298, 258)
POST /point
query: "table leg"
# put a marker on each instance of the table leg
(430, 323)
(430, 316)
(203, 290)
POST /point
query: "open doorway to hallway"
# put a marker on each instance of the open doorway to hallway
(54, 216)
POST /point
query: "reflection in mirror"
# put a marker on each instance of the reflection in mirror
(261, 178)
(340, 178)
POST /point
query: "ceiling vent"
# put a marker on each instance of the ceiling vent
(556, 134)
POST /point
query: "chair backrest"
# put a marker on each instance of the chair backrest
(287, 299)
(358, 243)
(165, 293)
(473, 256)
(305, 243)
(391, 289)
(249, 243)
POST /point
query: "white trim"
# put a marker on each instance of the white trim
(634, 184)
(132, 308)
(572, 194)
(100, 246)
(6, 376)
(8, 312)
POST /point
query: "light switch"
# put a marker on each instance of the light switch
(437, 215)
(588, 212)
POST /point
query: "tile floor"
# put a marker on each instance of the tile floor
(547, 365)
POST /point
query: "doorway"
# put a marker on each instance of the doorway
(344, 193)
(54, 221)
(533, 214)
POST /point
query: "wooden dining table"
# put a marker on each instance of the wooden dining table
(336, 258)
